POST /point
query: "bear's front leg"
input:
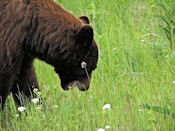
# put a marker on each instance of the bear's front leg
(5, 87)
(25, 83)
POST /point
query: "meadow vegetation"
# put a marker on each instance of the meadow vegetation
(135, 75)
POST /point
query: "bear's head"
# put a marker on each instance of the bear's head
(82, 59)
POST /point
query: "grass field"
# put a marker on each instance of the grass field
(135, 75)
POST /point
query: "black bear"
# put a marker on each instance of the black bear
(42, 29)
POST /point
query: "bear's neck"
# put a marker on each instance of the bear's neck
(52, 45)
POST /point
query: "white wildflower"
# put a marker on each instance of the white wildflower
(107, 106)
(108, 127)
(83, 64)
(38, 93)
(166, 56)
(101, 129)
(55, 106)
(35, 100)
(21, 109)
(35, 90)
(140, 110)
(173, 82)
(17, 115)
(142, 41)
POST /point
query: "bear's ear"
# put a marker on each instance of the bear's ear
(84, 19)
(85, 35)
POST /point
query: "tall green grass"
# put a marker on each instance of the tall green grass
(135, 75)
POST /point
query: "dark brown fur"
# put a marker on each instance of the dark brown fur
(42, 29)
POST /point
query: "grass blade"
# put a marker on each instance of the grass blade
(163, 18)
(167, 32)
(163, 7)
(173, 11)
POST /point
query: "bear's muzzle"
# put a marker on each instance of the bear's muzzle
(82, 85)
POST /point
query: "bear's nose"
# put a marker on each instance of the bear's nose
(84, 84)
(84, 89)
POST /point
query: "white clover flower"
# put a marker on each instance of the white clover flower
(21, 109)
(17, 115)
(35, 90)
(173, 82)
(101, 129)
(55, 106)
(35, 100)
(83, 64)
(107, 106)
(108, 127)
(38, 93)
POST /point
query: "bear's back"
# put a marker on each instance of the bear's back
(19, 17)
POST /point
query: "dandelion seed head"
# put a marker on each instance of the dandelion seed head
(83, 64)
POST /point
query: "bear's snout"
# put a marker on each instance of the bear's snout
(82, 85)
